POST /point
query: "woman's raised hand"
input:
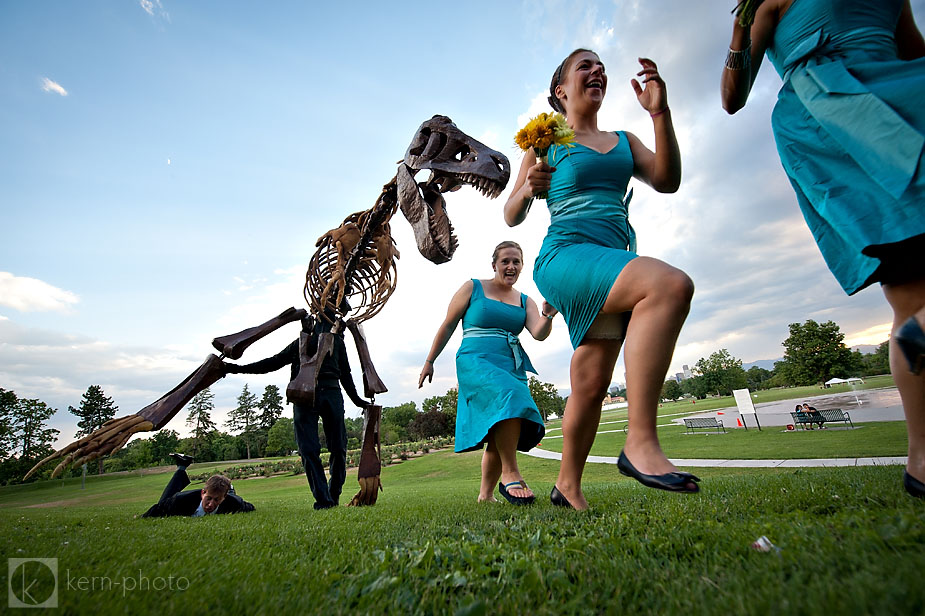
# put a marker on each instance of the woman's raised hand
(652, 94)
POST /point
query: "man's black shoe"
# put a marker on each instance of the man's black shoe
(181, 459)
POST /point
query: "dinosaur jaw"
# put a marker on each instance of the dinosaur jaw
(425, 208)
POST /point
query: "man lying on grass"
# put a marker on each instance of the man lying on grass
(216, 497)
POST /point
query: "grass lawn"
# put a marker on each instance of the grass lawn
(851, 542)
(878, 438)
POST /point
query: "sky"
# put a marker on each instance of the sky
(166, 168)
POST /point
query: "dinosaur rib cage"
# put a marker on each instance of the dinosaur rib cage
(363, 277)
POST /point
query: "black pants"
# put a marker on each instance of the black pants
(176, 484)
(329, 407)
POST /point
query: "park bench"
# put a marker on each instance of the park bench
(803, 419)
(830, 415)
(703, 422)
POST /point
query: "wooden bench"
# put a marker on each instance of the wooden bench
(804, 418)
(831, 415)
(703, 422)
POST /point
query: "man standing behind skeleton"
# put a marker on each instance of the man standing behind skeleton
(333, 373)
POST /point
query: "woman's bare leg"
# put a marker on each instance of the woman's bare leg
(506, 434)
(907, 300)
(491, 471)
(660, 297)
(591, 371)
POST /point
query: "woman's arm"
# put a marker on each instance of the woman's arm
(736, 84)
(909, 41)
(454, 313)
(538, 324)
(532, 179)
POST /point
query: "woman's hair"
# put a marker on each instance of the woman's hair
(561, 70)
(502, 246)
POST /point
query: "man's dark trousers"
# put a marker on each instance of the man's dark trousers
(329, 407)
(176, 484)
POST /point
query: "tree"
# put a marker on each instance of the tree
(162, 443)
(32, 438)
(281, 437)
(8, 402)
(547, 399)
(200, 418)
(877, 362)
(814, 353)
(758, 378)
(243, 418)
(271, 407)
(96, 408)
(430, 424)
(671, 390)
(446, 404)
(395, 420)
(720, 373)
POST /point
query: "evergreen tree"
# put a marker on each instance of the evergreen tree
(243, 418)
(271, 407)
(95, 409)
(33, 438)
(200, 418)
(8, 402)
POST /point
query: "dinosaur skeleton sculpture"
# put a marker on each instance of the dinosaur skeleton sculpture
(353, 263)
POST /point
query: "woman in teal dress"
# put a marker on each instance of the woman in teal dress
(588, 269)
(850, 129)
(494, 406)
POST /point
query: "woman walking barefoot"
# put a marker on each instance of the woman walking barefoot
(588, 269)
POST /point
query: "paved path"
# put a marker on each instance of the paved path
(818, 462)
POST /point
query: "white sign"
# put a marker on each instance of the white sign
(744, 401)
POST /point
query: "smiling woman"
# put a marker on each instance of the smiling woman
(494, 403)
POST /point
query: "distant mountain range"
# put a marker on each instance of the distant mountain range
(768, 364)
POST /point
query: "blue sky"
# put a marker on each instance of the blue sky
(167, 167)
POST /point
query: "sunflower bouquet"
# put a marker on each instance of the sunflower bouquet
(542, 132)
(745, 11)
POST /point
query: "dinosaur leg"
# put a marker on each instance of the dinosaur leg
(372, 384)
(370, 466)
(302, 388)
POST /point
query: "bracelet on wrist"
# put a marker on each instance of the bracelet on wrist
(548, 316)
(739, 60)
(658, 113)
(429, 361)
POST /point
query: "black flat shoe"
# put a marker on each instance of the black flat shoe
(673, 482)
(913, 486)
(181, 459)
(911, 341)
(516, 500)
(558, 499)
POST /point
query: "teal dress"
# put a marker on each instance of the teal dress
(849, 124)
(589, 240)
(491, 370)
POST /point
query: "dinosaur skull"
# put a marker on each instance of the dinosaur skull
(454, 159)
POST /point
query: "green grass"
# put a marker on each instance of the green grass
(851, 542)
(759, 397)
(881, 438)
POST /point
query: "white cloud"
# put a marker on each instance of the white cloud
(154, 8)
(51, 86)
(33, 295)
